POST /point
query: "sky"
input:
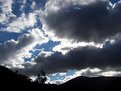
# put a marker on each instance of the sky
(65, 38)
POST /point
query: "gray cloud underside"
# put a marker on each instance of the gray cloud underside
(93, 22)
(79, 58)
(10, 48)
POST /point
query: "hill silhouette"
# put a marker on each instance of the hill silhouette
(10, 80)
(94, 84)
(13, 81)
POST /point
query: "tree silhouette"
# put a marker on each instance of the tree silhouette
(16, 71)
(41, 77)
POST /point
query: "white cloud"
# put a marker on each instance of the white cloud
(14, 23)
(6, 5)
(2, 17)
(59, 73)
(33, 78)
(62, 74)
(22, 22)
(88, 72)
(45, 53)
(65, 46)
(110, 73)
(6, 10)
(33, 5)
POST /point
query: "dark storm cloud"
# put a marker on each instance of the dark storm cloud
(79, 58)
(92, 22)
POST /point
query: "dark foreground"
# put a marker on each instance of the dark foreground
(10, 80)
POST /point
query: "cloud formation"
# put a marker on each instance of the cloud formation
(95, 72)
(21, 23)
(5, 10)
(79, 24)
(12, 52)
(82, 20)
(107, 57)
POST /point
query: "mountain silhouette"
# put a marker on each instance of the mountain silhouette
(10, 80)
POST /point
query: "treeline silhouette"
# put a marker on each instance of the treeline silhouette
(15, 81)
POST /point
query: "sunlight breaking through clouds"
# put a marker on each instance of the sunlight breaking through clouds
(61, 35)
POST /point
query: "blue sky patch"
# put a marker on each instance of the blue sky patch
(40, 3)
(16, 6)
(57, 76)
(48, 46)
(4, 36)
(27, 9)
(44, 47)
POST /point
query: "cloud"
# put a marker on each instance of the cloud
(21, 23)
(64, 77)
(5, 10)
(13, 17)
(110, 73)
(12, 53)
(79, 58)
(88, 72)
(84, 24)
(82, 20)
(65, 46)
